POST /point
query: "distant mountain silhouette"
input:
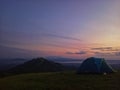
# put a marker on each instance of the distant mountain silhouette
(7, 63)
(37, 65)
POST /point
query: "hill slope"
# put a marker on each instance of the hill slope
(61, 81)
(37, 65)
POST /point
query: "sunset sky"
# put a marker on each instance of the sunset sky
(66, 28)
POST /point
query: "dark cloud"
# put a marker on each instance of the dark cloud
(61, 36)
(80, 52)
(107, 54)
(117, 53)
(69, 53)
(106, 49)
(59, 45)
(102, 48)
(13, 52)
(102, 53)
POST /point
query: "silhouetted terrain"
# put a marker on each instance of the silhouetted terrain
(61, 81)
(9, 63)
(37, 65)
(51, 64)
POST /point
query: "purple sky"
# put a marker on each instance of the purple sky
(68, 28)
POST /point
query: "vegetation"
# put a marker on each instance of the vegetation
(61, 81)
(36, 65)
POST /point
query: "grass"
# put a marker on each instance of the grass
(61, 81)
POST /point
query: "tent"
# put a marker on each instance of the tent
(95, 65)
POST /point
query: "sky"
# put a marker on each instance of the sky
(65, 28)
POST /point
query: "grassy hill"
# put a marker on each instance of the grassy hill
(61, 81)
(36, 65)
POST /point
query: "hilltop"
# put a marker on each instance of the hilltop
(37, 65)
(61, 81)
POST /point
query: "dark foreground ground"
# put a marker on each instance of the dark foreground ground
(61, 81)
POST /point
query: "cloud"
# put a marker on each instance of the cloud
(69, 53)
(80, 52)
(106, 49)
(102, 48)
(63, 37)
(107, 54)
(102, 53)
(59, 45)
(13, 52)
(117, 53)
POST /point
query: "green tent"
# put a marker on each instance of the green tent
(95, 65)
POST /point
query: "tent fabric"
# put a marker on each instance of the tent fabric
(98, 63)
(95, 65)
